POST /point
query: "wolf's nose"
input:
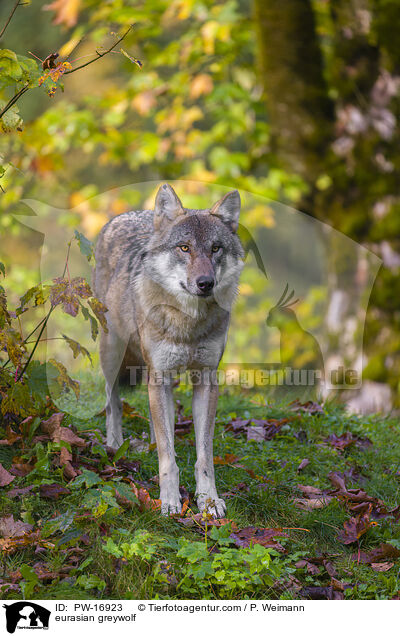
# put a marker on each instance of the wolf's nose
(205, 283)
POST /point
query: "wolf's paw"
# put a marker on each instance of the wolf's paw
(172, 506)
(215, 506)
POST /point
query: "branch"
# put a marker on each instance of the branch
(13, 100)
(26, 87)
(9, 19)
(99, 55)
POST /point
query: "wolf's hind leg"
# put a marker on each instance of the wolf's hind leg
(112, 351)
(151, 427)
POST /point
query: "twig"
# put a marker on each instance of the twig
(9, 19)
(13, 100)
(99, 55)
(37, 342)
(32, 353)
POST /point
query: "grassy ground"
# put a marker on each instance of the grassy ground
(94, 542)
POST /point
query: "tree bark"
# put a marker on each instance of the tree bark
(299, 109)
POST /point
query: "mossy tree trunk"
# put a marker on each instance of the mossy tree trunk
(333, 121)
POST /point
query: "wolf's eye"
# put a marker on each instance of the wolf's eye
(184, 248)
(216, 248)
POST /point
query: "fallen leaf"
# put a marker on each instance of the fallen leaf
(11, 528)
(310, 567)
(59, 433)
(5, 477)
(347, 439)
(11, 437)
(355, 527)
(320, 593)
(383, 552)
(198, 521)
(53, 491)
(382, 567)
(20, 469)
(19, 492)
(256, 429)
(306, 407)
(224, 461)
(245, 537)
(312, 504)
(303, 464)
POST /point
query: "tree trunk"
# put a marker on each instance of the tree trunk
(290, 61)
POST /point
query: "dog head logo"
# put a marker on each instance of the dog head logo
(26, 615)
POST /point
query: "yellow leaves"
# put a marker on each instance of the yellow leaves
(201, 84)
(66, 11)
(178, 117)
(63, 379)
(209, 32)
(72, 43)
(92, 220)
(245, 289)
(178, 10)
(144, 102)
(213, 31)
(259, 215)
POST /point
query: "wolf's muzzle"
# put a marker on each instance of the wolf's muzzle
(205, 284)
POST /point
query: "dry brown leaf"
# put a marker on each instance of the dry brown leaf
(303, 464)
(245, 537)
(11, 528)
(59, 433)
(312, 504)
(5, 477)
(382, 567)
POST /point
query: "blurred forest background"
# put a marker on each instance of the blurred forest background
(297, 101)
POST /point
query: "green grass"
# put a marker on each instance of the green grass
(267, 501)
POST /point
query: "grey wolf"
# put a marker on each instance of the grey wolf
(169, 277)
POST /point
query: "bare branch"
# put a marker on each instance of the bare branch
(9, 19)
(100, 55)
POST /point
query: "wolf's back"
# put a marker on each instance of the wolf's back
(119, 247)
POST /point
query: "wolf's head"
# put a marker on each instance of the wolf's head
(195, 255)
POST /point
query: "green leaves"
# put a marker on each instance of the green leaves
(122, 450)
(10, 68)
(11, 120)
(85, 245)
(142, 544)
(90, 582)
(231, 569)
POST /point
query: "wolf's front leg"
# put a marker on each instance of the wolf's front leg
(162, 413)
(204, 407)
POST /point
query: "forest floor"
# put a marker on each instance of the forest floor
(312, 499)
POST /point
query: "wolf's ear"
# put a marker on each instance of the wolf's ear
(167, 206)
(228, 209)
